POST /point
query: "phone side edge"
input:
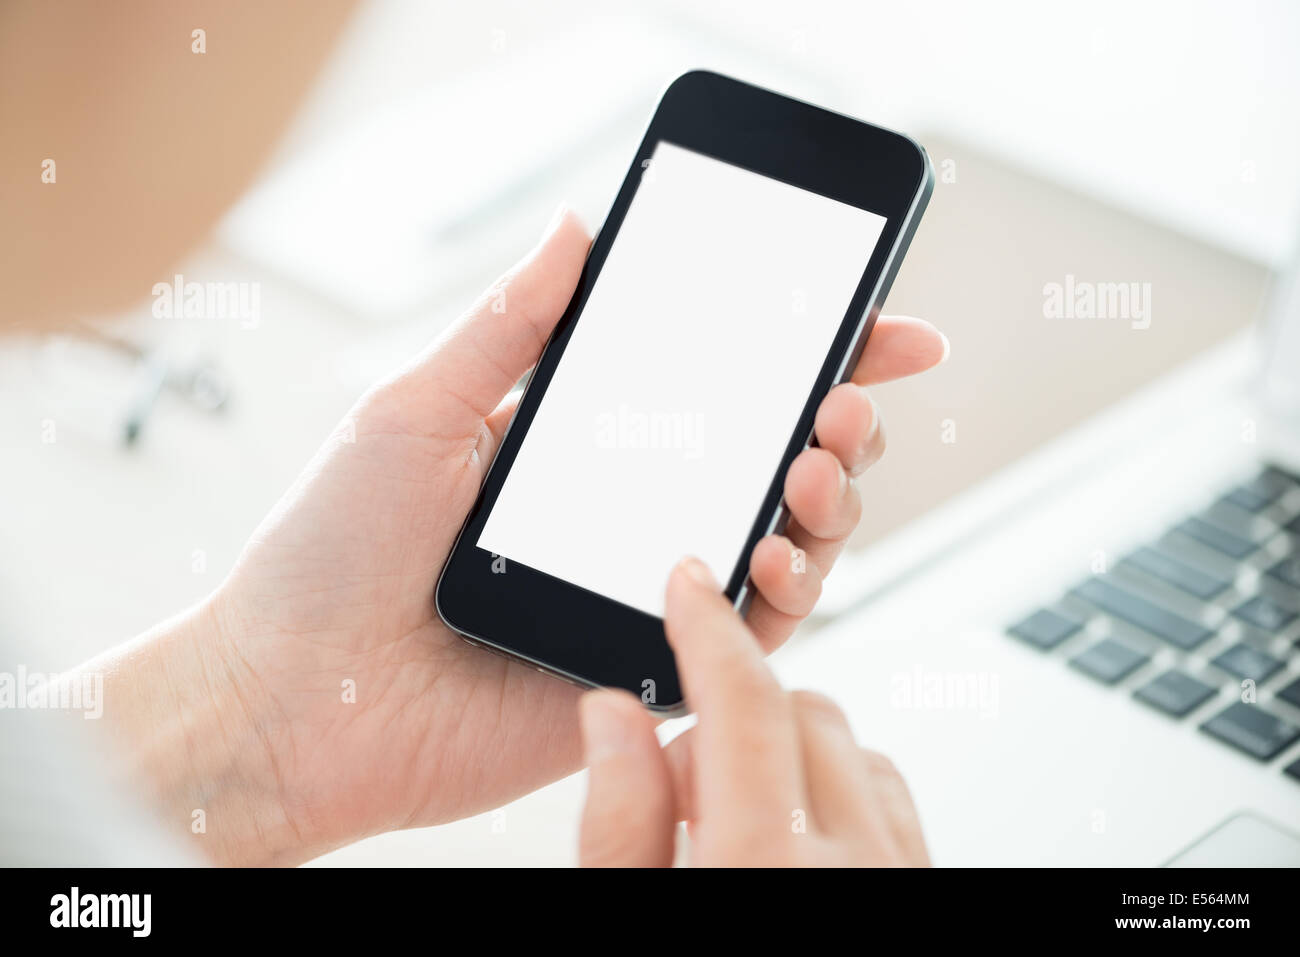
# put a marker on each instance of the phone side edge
(911, 221)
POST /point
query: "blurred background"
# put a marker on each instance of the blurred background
(1114, 142)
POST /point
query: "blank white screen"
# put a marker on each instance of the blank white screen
(684, 378)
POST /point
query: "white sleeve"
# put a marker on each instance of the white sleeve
(59, 805)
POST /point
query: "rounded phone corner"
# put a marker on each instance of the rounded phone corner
(925, 167)
(679, 710)
(439, 607)
(687, 80)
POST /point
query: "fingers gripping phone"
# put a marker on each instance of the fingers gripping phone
(733, 284)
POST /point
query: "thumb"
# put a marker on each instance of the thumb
(466, 373)
(629, 819)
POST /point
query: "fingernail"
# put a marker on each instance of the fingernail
(698, 572)
(875, 421)
(947, 348)
(605, 729)
(557, 217)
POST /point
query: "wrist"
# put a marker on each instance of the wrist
(193, 734)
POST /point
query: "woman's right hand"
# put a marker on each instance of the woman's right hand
(766, 777)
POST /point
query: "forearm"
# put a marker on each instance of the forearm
(191, 742)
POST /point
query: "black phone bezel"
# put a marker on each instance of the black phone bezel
(577, 634)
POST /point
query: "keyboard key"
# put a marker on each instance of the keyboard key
(1174, 693)
(1136, 610)
(1178, 573)
(1293, 526)
(1109, 661)
(1046, 629)
(1236, 520)
(1216, 538)
(1260, 492)
(1291, 694)
(1263, 612)
(1243, 496)
(1243, 661)
(1293, 769)
(1288, 570)
(1253, 730)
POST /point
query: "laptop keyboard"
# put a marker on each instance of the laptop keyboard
(1207, 613)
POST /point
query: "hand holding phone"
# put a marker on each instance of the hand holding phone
(323, 698)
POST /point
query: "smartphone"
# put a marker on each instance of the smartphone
(734, 282)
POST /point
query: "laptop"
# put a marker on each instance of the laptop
(1090, 653)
